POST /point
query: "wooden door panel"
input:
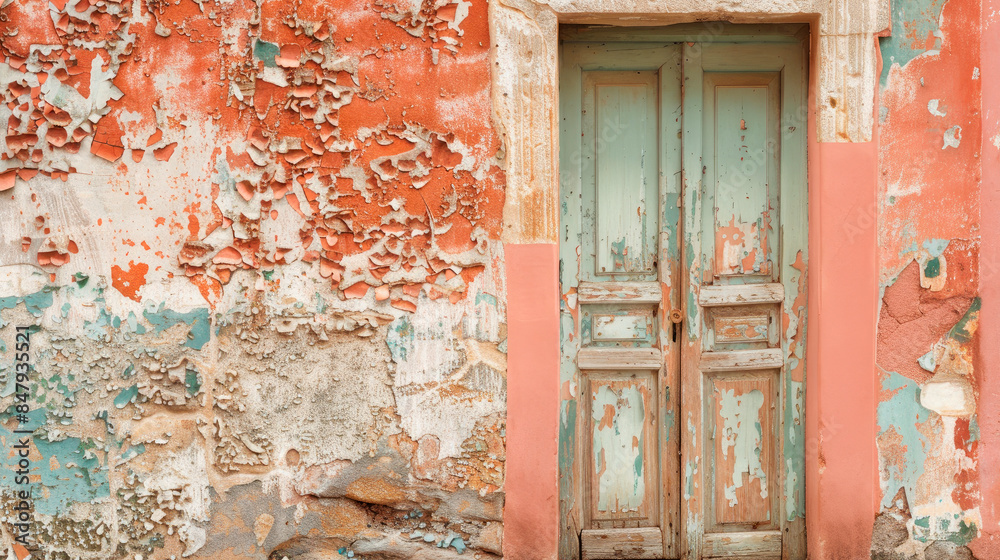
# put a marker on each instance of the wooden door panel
(619, 282)
(743, 166)
(756, 545)
(741, 423)
(623, 324)
(745, 241)
(620, 173)
(622, 479)
(608, 544)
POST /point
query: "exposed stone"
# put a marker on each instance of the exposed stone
(889, 532)
(309, 548)
(944, 550)
(490, 539)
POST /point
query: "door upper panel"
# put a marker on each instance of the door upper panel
(620, 170)
(741, 175)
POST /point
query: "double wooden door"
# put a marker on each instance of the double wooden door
(683, 255)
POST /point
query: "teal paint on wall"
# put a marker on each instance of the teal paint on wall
(400, 338)
(912, 23)
(960, 332)
(197, 319)
(902, 412)
(126, 396)
(35, 303)
(266, 52)
(71, 471)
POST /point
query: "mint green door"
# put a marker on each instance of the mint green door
(683, 254)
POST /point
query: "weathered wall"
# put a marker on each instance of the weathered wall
(928, 363)
(259, 242)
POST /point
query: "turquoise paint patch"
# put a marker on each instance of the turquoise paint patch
(489, 299)
(966, 533)
(567, 438)
(197, 319)
(912, 23)
(951, 527)
(133, 452)
(126, 396)
(927, 361)
(266, 52)
(692, 317)
(400, 338)
(933, 268)
(973, 430)
(320, 303)
(133, 324)
(453, 540)
(936, 247)
(193, 382)
(78, 475)
(35, 303)
(671, 217)
(689, 471)
(960, 331)
(10, 382)
(902, 412)
(618, 249)
(59, 384)
(98, 328)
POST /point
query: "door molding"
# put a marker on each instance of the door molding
(842, 180)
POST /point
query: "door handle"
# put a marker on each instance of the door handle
(676, 316)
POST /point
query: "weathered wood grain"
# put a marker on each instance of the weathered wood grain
(738, 360)
(622, 441)
(759, 545)
(605, 544)
(620, 358)
(741, 294)
(619, 292)
(744, 437)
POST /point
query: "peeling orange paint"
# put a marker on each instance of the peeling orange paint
(128, 282)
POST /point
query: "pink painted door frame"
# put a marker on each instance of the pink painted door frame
(841, 460)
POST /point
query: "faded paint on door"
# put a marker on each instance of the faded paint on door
(706, 327)
(619, 206)
(742, 358)
(621, 447)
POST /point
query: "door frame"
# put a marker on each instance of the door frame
(840, 422)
